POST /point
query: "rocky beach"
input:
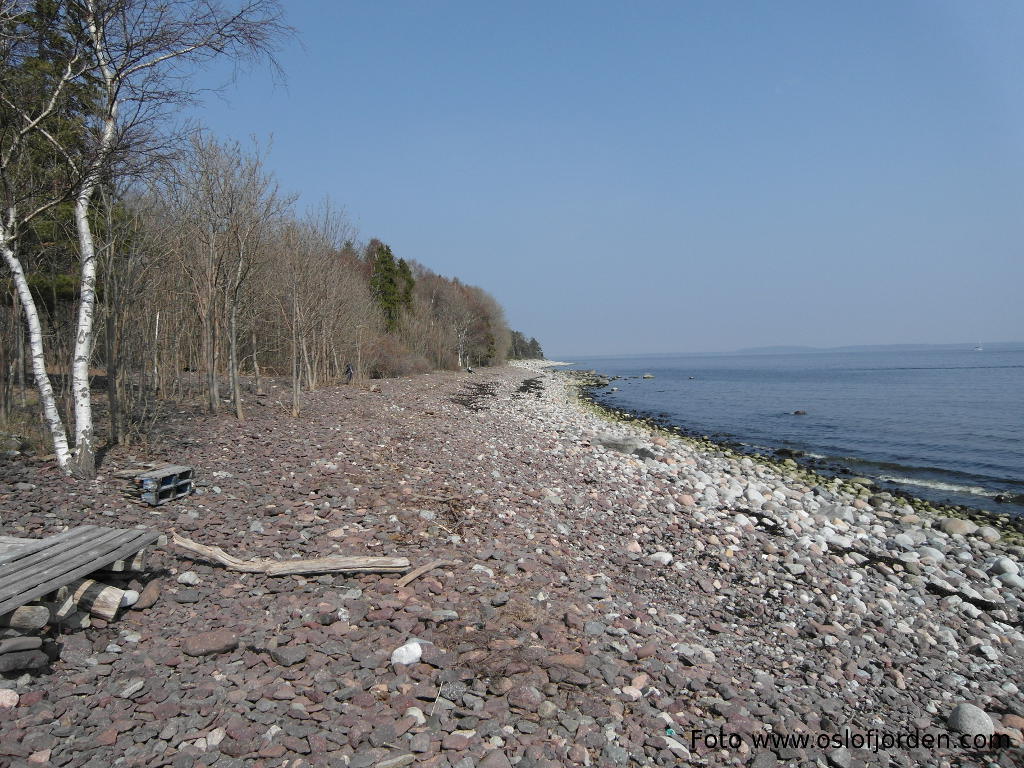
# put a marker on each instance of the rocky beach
(606, 595)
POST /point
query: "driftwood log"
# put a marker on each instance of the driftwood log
(26, 617)
(134, 564)
(410, 577)
(273, 567)
(94, 598)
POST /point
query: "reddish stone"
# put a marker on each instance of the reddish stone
(208, 643)
(1013, 721)
(572, 660)
(455, 741)
(107, 738)
(32, 697)
(647, 650)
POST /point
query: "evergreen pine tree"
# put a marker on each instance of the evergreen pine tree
(406, 283)
(384, 284)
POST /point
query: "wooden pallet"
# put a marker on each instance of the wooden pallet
(167, 483)
(31, 568)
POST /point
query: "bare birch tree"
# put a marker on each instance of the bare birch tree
(35, 175)
(139, 55)
(142, 51)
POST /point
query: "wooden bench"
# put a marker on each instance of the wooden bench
(31, 568)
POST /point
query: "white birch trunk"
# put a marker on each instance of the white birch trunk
(35, 341)
(85, 453)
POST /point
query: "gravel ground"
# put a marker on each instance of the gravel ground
(615, 597)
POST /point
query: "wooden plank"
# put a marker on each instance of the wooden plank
(50, 579)
(64, 542)
(17, 559)
(77, 554)
(63, 548)
(44, 580)
(169, 469)
(95, 551)
(35, 545)
(10, 547)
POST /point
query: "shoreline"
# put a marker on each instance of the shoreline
(595, 606)
(589, 382)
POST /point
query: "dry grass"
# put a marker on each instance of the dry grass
(25, 425)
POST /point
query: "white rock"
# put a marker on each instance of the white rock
(972, 720)
(189, 578)
(989, 534)
(631, 693)
(416, 714)
(410, 653)
(754, 497)
(129, 598)
(8, 698)
(1010, 580)
(132, 688)
(661, 558)
(1004, 565)
(676, 747)
(932, 553)
(215, 737)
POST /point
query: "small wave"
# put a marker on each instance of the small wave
(937, 485)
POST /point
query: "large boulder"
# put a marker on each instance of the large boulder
(971, 720)
(620, 443)
(955, 525)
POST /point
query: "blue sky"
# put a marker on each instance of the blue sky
(671, 177)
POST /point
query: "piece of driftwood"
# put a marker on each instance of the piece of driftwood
(413, 575)
(26, 617)
(273, 567)
(134, 564)
(64, 607)
(94, 598)
(75, 620)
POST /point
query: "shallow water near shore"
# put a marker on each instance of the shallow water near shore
(943, 425)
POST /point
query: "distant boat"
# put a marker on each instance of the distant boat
(979, 348)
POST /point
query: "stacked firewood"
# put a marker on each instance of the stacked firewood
(23, 631)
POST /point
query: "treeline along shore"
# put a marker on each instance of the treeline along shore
(595, 593)
(146, 260)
